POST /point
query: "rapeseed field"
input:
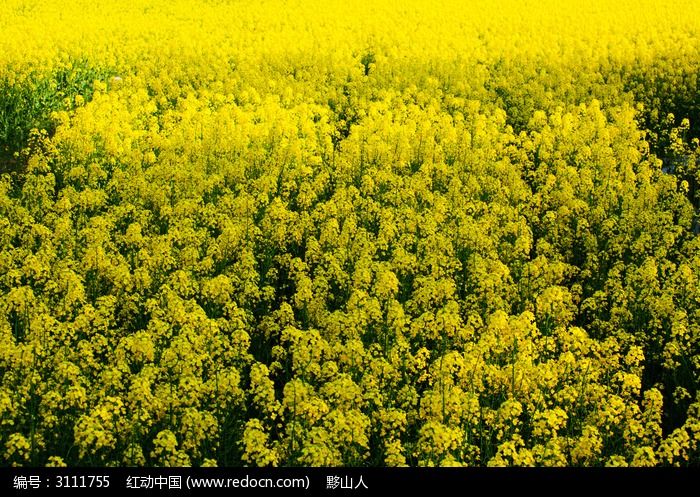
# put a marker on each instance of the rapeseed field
(273, 233)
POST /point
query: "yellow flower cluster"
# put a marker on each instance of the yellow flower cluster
(349, 233)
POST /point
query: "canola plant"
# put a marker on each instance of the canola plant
(349, 233)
